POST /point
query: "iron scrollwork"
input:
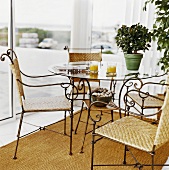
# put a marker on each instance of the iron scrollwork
(135, 85)
(68, 94)
(9, 51)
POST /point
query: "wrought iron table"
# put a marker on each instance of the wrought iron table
(80, 70)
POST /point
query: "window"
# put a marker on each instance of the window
(107, 16)
(44, 27)
(4, 70)
(38, 21)
(42, 31)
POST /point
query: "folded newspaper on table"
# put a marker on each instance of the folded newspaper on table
(71, 68)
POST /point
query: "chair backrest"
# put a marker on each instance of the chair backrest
(166, 82)
(16, 72)
(162, 135)
(75, 57)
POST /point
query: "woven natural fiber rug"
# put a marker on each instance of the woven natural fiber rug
(45, 150)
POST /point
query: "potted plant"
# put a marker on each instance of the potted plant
(161, 30)
(132, 40)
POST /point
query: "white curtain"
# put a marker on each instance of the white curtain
(135, 14)
(81, 24)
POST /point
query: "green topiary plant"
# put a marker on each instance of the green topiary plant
(161, 30)
(134, 38)
(131, 40)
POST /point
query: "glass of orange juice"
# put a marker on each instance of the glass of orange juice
(111, 68)
(94, 67)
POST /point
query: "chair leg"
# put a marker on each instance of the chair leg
(71, 129)
(93, 142)
(85, 132)
(128, 109)
(125, 150)
(79, 118)
(142, 112)
(152, 156)
(18, 135)
(112, 119)
(65, 123)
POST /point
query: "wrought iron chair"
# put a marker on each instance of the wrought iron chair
(133, 132)
(84, 56)
(143, 101)
(41, 104)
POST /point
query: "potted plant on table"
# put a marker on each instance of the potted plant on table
(131, 40)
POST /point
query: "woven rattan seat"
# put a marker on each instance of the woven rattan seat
(130, 131)
(149, 102)
(57, 103)
(39, 104)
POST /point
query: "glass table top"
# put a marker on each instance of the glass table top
(81, 70)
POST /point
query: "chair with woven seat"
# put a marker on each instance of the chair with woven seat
(136, 133)
(143, 101)
(38, 104)
(83, 57)
(149, 102)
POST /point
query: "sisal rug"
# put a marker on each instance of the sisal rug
(45, 150)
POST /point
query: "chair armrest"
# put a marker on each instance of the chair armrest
(140, 115)
(145, 95)
(65, 86)
(42, 76)
(98, 115)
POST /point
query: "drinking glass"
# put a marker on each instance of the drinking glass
(93, 67)
(111, 68)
